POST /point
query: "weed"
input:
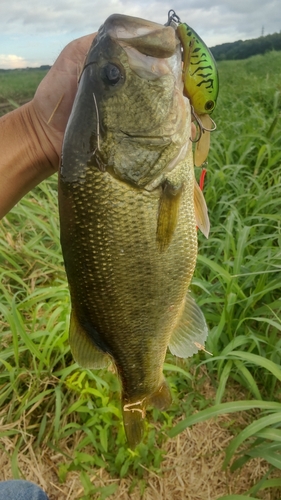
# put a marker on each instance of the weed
(236, 283)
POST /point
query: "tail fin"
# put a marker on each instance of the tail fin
(134, 413)
(133, 417)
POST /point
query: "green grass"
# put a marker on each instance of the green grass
(238, 273)
(237, 284)
(17, 86)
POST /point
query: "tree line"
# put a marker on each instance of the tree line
(243, 49)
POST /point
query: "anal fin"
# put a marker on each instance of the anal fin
(85, 353)
(191, 332)
(161, 398)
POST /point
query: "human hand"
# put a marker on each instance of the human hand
(193, 131)
(32, 135)
(51, 106)
(53, 100)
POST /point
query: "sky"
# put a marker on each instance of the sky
(33, 32)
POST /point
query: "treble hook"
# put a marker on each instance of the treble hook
(202, 129)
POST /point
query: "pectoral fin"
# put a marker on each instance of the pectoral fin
(168, 214)
(191, 333)
(85, 353)
(201, 211)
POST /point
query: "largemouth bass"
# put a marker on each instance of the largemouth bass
(127, 213)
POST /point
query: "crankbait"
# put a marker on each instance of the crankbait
(200, 74)
(201, 82)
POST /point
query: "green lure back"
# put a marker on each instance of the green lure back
(200, 74)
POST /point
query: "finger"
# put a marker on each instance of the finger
(193, 131)
(74, 54)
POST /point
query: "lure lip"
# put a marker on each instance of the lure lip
(202, 128)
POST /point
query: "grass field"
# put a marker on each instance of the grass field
(17, 87)
(62, 426)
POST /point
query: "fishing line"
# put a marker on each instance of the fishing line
(98, 124)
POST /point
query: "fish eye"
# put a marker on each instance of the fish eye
(112, 74)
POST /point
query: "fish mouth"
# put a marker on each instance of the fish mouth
(151, 147)
(149, 46)
(149, 38)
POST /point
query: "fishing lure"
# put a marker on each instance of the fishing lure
(200, 74)
(201, 82)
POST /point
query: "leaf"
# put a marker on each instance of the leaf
(259, 361)
(250, 430)
(221, 409)
(173, 368)
(267, 454)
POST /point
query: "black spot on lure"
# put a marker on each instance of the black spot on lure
(200, 74)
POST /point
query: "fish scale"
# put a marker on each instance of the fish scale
(128, 229)
(136, 303)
